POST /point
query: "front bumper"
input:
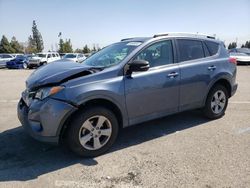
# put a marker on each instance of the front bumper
(34, 63)
(14, 66)
(43, 120)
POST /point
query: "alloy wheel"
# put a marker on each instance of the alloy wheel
(95, 132)
(218, 102)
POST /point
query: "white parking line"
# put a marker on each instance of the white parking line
(239, 102)
(9, 101)
(244, 130)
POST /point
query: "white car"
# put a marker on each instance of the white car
(16, 55)
(76, 57)
(241, 58)
(5, 58)
(43, 58)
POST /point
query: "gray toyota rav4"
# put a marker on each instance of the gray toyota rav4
(126, 83)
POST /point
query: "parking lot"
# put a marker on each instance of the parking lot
(183, 150)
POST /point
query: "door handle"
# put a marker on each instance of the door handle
(173, 74)
(211, 68)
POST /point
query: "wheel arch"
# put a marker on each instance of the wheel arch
(95, 102)
(222, 81)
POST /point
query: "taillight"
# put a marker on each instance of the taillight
(232, 60)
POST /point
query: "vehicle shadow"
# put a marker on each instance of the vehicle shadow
(22, 158)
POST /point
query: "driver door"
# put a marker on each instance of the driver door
(153, 93)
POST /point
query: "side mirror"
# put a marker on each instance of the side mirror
(138, 66)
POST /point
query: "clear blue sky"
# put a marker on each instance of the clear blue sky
(107, 21)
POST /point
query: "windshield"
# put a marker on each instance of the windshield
(20, 57)
(69, 56)
(111, 55)
(41, 55)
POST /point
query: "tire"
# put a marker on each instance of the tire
(84, 127)
(216, 102)
(25, 66)
(42, 63)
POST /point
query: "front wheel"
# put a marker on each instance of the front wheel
(92, 132)
(216, 103)
(25, 66)
(42, 63)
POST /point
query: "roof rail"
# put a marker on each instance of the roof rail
(127, 39)
(184, 34)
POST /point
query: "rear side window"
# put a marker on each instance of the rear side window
(212, 47)
(190, 49)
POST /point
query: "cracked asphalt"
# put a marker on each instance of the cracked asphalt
(182, 150)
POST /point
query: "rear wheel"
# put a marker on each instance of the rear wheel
(216, 102)
(92, 131)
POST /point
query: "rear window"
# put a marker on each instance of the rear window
(212, 47)
(190, 49)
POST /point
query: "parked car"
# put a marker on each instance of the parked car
(20, 62)
(43, 58)
(62, 54)
(4, 58)
(17, 55)
(240, 50)
(126, 83)
(76, 57)
(241, 58)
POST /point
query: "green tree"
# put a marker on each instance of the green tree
(65, 47)
(94, 49)
(37, 38)
(5, 46)
(232, 45)
(68, 46)
(31, 47)
(78, 50)
(18, 48)
(247, 44)
(61, 46)
(86, 49)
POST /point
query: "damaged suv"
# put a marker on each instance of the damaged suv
(126, 83)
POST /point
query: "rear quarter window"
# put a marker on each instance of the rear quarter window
(190, 49)
(212, 47)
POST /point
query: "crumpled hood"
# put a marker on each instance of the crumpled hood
(56, 72)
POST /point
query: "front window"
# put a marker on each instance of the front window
(158, 54)
(111, 55)
(41, 55)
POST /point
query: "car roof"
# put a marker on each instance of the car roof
(173, 35)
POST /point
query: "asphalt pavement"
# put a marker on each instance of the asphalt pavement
(182, 150)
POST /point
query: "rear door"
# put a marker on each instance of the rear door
(197, 70)
(153, 93)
